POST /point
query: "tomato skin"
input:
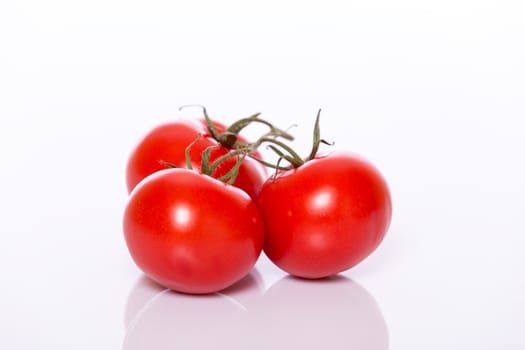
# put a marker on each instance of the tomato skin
(168, 142)
(325, 216)
(192, 233)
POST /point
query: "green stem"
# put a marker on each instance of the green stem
(229, 138)
(268, 164)
(296, 160)
(188, 149)
(209, 123)
(167, 164)
(225, 157)
(205, 160)
(242, 123)
(232, 174)
(317, 137)
(236, 127)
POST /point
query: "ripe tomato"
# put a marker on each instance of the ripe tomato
(324, 216)
(192, 233)
(168, 142)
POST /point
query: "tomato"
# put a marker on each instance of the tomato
(192, 233)
(325, 216)
(168, 143)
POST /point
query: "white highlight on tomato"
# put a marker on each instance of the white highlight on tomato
(182, 216)
(322, 199)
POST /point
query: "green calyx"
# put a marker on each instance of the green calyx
(231, 175)
(208, 167)
(229, 138)
(240, 150)
(287, 153)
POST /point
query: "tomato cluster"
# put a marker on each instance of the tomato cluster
(202, 206)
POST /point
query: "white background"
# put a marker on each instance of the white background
(432, 92)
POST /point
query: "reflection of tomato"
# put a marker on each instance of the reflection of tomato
(141, 293)
(168, 142)
(192, 233)
(178, 321)
(333, 313)
(157, 319)
(325, 216)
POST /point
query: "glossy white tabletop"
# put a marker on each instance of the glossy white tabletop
(432, 93)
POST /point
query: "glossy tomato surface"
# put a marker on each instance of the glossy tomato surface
(192, 233)
(325, 216)
(168, 143)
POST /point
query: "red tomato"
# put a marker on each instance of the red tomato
(325, 216)
(192, 233)
(168, 142)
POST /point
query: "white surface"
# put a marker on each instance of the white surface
(432, 92)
